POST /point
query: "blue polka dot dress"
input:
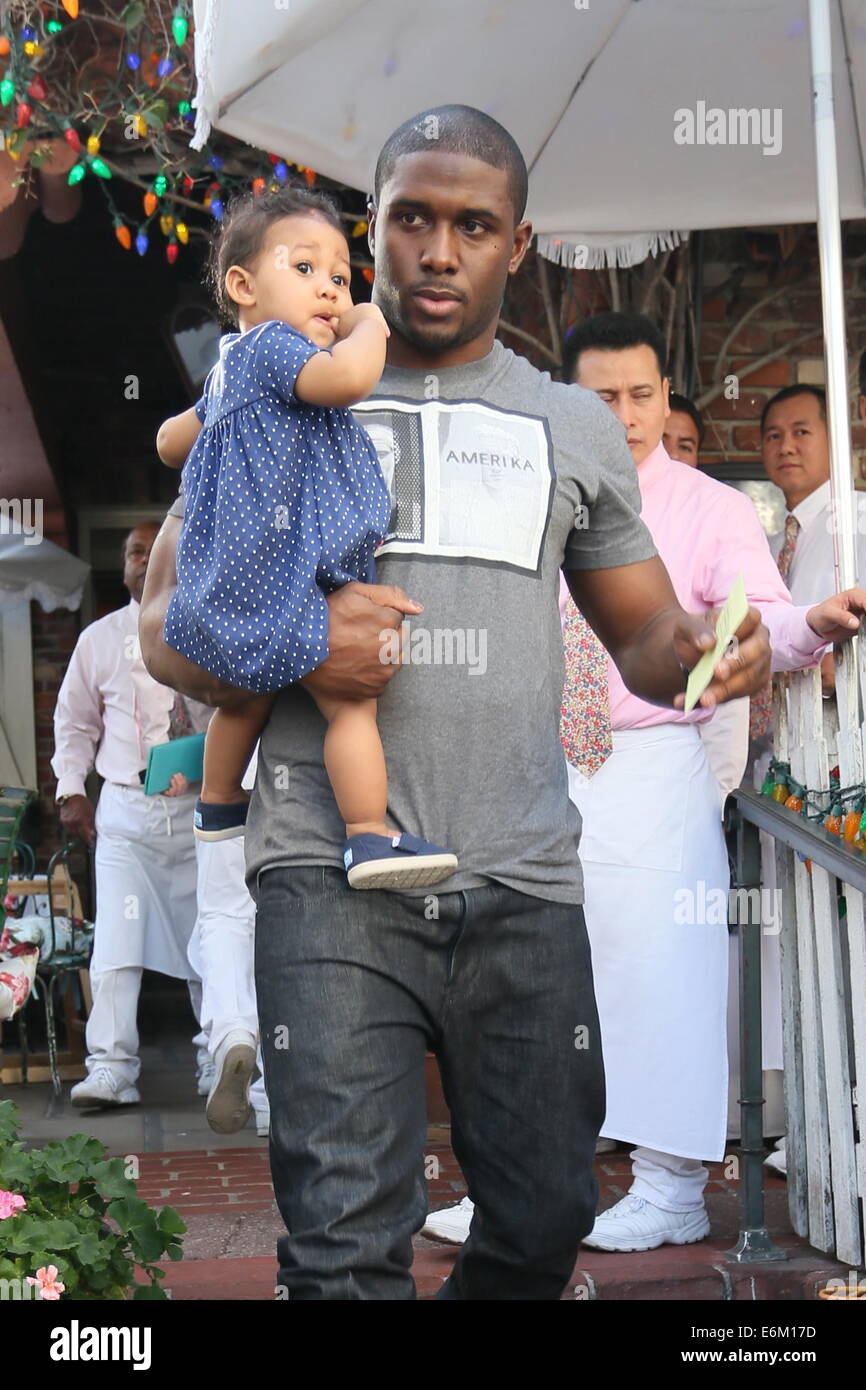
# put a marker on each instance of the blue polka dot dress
(283, 503)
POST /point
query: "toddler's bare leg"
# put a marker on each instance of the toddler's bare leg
(355, 763)
(228, 747)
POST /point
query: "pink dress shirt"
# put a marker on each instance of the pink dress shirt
(705, 533)
(110, 710)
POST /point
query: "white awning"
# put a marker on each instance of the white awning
(38, 569)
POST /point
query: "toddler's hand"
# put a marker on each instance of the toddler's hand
(361, 313)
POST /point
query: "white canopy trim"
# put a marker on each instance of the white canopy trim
(601, 250)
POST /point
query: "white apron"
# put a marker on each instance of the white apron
(145, 881)
(656, 879)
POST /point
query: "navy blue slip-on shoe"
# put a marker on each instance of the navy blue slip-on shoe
(395, 861)
(214, 820)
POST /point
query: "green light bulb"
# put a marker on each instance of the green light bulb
(7, 90)
(76, 174)
(100, 168)
(160, 184)
(184, 108)
(54, 26)
(179, 28)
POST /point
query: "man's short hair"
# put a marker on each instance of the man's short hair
(687, 407)
(804, 388)
(612, 332)
(458, 130)
(863, 373)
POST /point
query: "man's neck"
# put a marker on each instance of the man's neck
(793, 499)
(401, 353)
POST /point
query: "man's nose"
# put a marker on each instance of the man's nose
(439, 252)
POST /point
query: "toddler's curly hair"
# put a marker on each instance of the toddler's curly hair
(243, 230)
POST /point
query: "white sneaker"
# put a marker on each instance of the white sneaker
(102, 1090)
(206, 1078)
(777, 1161)
(263, 1123)
(451, 1223)
(635, 1224)
(228, 1105)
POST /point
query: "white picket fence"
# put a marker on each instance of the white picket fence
(823, 976)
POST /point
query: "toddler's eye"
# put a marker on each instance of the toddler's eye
(304, 267)
(339, 280)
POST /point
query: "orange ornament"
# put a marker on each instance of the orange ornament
(150, 201)
(310, 176)
(123, 236)
(794, 803)
(4, 46)
(258, 185)
(71, 8)
(850, 826)
(368, 274)
(833, 823)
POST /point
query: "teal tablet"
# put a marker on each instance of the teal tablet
(184, 755)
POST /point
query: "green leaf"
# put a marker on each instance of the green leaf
(138, 1221)
(110, 1180)
(90, 1251)
(71, 1159)
(170, 1222)
(23, 1234)
(149, 1293)
(10, 1120)
(133, 14)
(156, 114)
(16, 1168)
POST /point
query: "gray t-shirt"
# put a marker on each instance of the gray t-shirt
(500, 477)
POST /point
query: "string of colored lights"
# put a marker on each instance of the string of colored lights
(143, 107)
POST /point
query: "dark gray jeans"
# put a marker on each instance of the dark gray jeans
(353, 988)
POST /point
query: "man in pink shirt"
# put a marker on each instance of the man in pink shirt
(652, 847)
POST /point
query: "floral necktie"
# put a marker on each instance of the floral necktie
(179, 722)
(761, 705)
(584, 727)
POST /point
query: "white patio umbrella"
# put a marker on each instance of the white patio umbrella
(637, 119)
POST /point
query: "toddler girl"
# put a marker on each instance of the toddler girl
(285, 502)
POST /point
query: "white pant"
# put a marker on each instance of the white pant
(669, 1182)
(112, 1028)
(221, 948)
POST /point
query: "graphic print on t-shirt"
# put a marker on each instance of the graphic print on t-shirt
(467, 479)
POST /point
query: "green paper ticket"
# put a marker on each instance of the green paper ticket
(735, 610)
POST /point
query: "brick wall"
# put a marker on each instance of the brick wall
(732, 424)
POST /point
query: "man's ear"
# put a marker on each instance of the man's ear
(666, 392)
(522, 238)
(372, 214)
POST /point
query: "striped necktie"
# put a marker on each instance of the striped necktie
(761, 705)
(584, 727)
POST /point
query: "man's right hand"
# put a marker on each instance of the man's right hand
(357, 616)
(77, 817)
